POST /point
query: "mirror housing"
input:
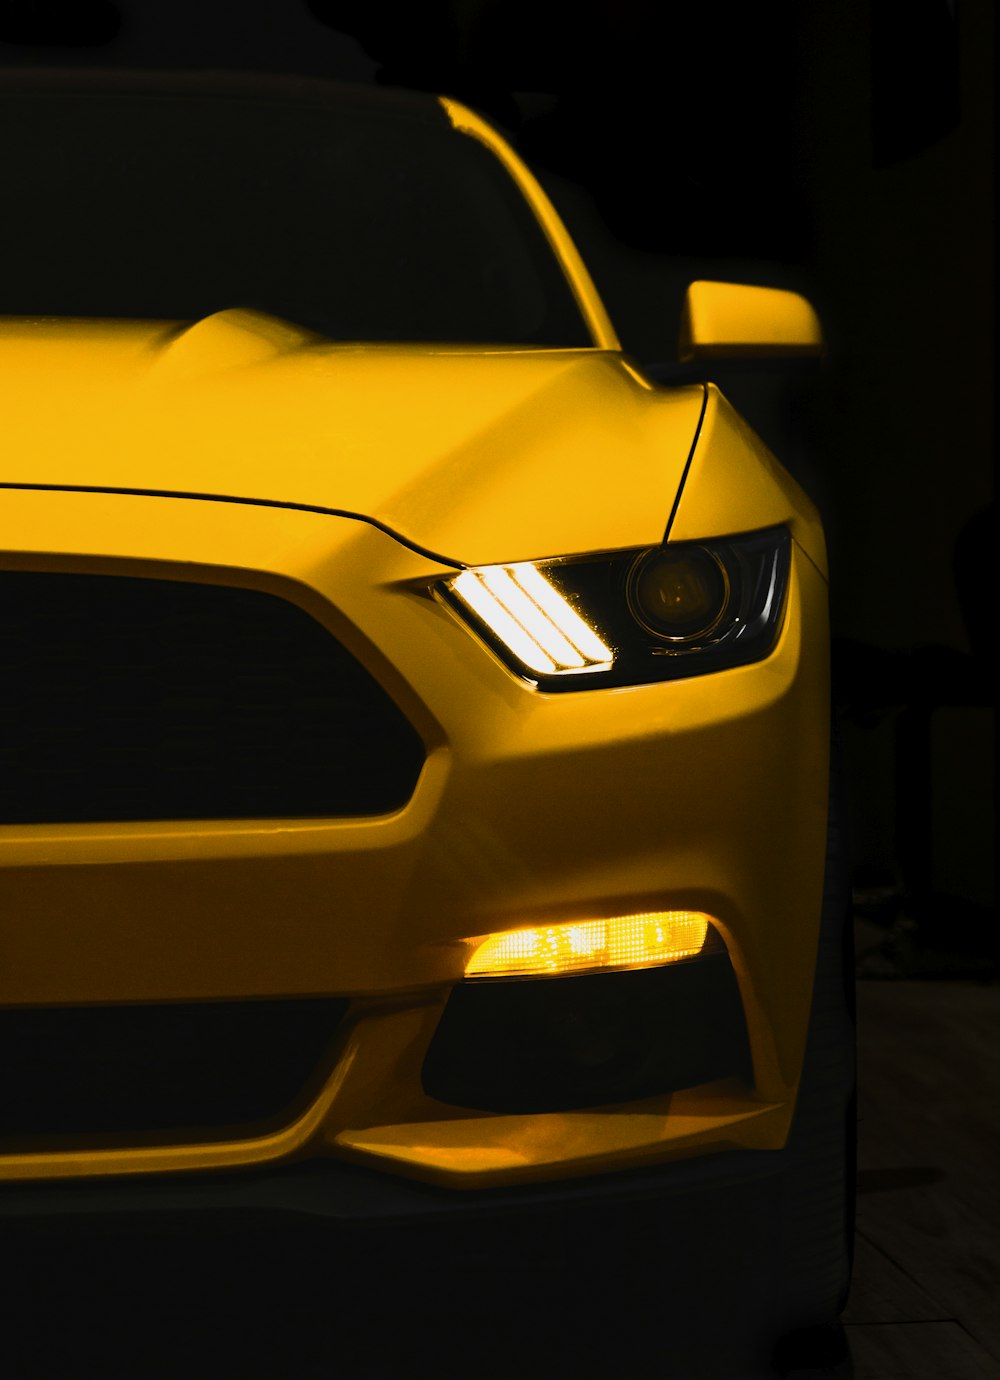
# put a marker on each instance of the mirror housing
(736, 321)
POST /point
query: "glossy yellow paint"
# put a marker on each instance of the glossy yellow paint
(173, 450)
(478, 1152)
(737, 321)
(734, 484)
(706, 794)
(482, 456)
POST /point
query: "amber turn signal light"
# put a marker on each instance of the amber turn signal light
(587, 946)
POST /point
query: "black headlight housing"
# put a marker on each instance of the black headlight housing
(665, 612)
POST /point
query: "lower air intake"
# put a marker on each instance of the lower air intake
(159, 1069)
(555, 1044)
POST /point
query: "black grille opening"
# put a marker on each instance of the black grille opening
(555, 1044)
(135, 699)
(161, 1068)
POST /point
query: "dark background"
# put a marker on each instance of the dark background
(844, 149)
(840, 147)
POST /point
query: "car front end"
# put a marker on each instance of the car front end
(461, 797)
(415, 760)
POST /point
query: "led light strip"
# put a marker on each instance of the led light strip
(562, 613)
(532, 619)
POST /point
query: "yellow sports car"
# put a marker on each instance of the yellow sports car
(415, 718)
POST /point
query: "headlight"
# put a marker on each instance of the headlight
(627, 617)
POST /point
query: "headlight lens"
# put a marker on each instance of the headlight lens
(629, 617)
(679, 594)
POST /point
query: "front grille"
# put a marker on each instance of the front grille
(140, 699)
(159, 1069)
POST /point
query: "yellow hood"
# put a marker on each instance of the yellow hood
(475, 455)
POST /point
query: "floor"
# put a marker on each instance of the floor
(925, 1302)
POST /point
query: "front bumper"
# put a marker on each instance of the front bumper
(355, 1195)
(705, 794)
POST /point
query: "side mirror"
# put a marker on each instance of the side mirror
(734, 321)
